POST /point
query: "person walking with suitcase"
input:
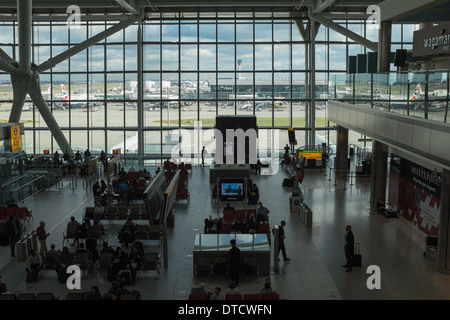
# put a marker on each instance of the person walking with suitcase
(349, 247)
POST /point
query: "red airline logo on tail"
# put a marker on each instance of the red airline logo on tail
(65, 94)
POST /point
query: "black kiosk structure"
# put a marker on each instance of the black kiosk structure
(236, 153)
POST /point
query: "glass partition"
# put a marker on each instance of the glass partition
(421, 94)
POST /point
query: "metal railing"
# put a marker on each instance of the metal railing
(28, 190)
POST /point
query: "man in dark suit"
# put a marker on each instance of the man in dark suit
(281, 238)
(234, 259)
(349, 247)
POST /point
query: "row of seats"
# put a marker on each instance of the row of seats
(173, 166)
(119, 213)
(241, 214)
(22, 213)
(151, 262)
(96, 231)
(236, 296)
(263, 228)
(132, 295)
(28, 296)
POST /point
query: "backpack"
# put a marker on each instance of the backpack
(62, 274)
(49, 262)
(32, 276)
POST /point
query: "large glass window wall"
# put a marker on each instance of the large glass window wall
(192, 70)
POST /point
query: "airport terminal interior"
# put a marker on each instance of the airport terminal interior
(168, 128)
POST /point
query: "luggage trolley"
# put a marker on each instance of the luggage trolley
(431, 244)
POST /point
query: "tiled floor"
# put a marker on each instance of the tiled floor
(317, 254)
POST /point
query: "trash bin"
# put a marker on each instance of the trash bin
(29, 240)
(35, 240)
(21, 250)
(308, 218)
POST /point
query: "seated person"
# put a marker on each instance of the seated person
(107, 248)
(55, 254)
(381, 207)
(208, 225)
(268, 289)
(126, 234)
(238, 227)
(229, 207)
(119, 260)
(66, 257)
(99, 211)
(81, 249)
(115, 291)
(123, 188)
(81, 233)
(73, 222)
(215, 227)
(136, 259)
(253, 224)
(199, 288)
(286, 159)
(91, 246)
(34, 261)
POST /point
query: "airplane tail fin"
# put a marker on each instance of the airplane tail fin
(64, 92)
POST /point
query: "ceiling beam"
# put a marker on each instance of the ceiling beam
(320, 7)
(344, 31)
(127, 7)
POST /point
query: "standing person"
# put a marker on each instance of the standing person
(66, 156)
(234, 259)
(56, 158)
(12, 204)
(42, 236)
(349, 247)
(281, 238)
(78, 156)
(97, 191)
(13, 229)
(262, 213)
(203, 156)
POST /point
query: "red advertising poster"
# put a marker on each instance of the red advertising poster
(415, 192)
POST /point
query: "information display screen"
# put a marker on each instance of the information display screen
(232, 189)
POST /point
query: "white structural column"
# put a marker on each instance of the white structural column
(312, 92)
(379, 150)
(309, 34)
(24, 14)
(140, 88)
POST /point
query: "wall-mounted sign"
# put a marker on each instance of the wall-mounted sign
(46, 151)
(432, 41)
(364, 140)
(15, 138)
(310, 153)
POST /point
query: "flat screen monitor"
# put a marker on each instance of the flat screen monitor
(231, 189)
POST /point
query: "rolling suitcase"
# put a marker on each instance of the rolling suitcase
(357, 258)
